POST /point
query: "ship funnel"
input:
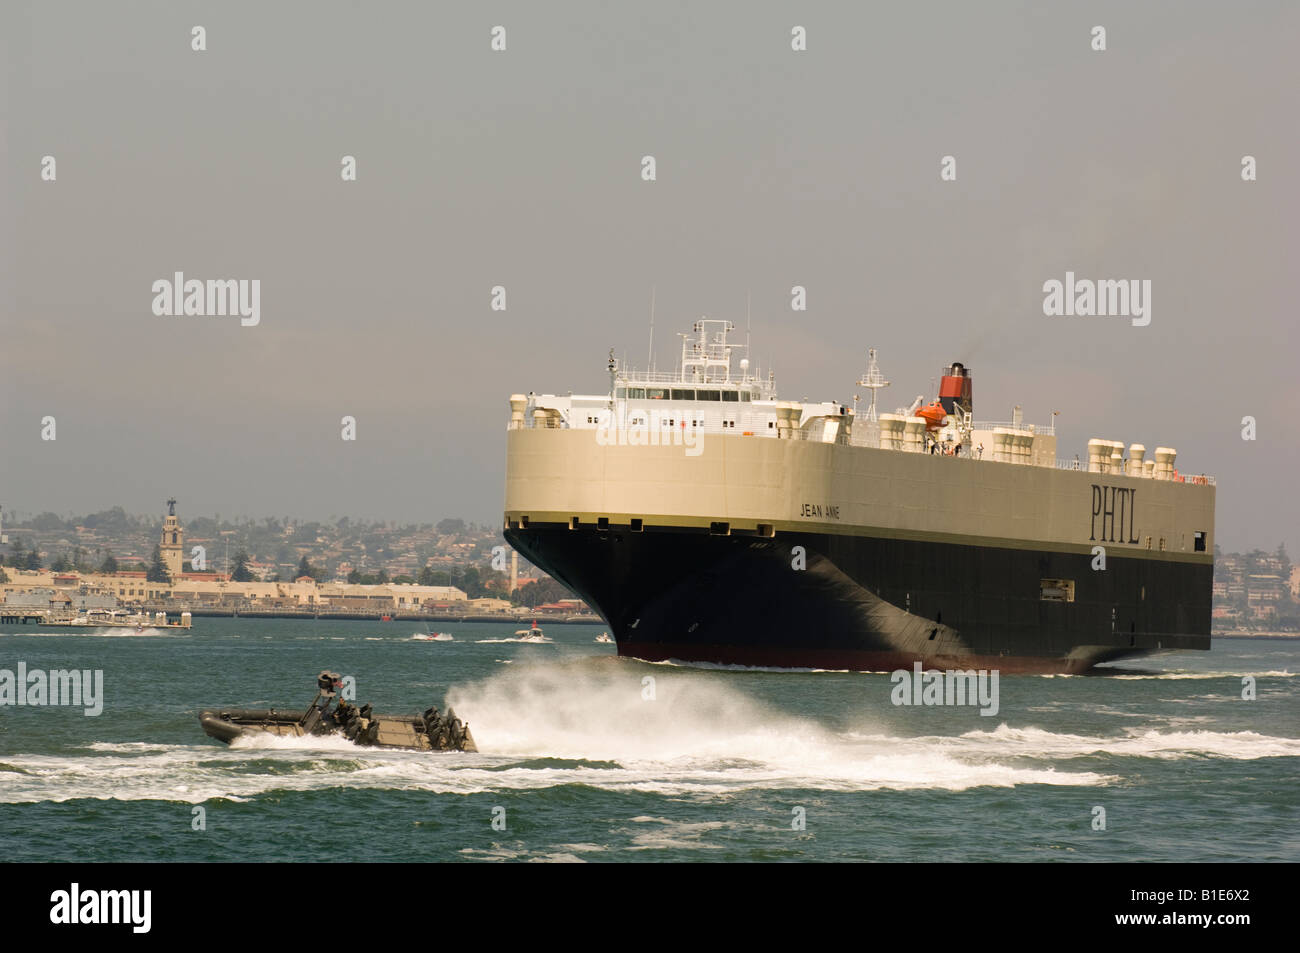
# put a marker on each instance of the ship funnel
(955, 389)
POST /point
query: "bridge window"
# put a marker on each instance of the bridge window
(656, 393)
(1199, 541)
(683, 393)
(730, 395)
(708, 395)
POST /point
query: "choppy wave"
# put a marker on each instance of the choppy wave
(1134, 742)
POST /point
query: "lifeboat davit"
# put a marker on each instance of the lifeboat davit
(934, 415)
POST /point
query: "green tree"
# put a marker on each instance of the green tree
(62, 564)
(534, 594)
(157, 572)
(451, 527)
(382, 578)
(33, 559)
(434, 577)
(109, 565)
(305, 568)
(354, 577)
(4, 576)
(239, 572)
(48, 523)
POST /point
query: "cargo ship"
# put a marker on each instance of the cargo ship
(708, 521)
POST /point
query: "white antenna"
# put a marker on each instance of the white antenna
(873, 380)
(650, 360)
(749, 322)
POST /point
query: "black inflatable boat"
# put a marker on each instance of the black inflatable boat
(330, 715)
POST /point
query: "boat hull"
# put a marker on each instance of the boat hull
(414, 733)
(872, 603)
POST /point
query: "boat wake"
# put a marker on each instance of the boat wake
(105, 632)
(554, 725)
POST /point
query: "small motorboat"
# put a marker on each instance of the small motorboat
(533, 634)
(604, 637)
(330, 715)
(433, 637)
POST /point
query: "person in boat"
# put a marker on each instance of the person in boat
(326, 683)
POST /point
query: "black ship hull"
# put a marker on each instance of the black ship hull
(871, 603)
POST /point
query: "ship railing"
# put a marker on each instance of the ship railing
(815, 437)
(1198, 479)
(1043, 430)
(634, 378)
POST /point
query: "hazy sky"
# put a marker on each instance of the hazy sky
(522, 169)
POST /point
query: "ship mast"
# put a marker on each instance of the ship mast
(873, 380)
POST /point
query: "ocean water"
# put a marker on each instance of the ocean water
(579, 763)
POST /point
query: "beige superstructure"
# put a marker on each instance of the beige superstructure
(782, 485)
(704, 447)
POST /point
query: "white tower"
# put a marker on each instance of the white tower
(172, 545)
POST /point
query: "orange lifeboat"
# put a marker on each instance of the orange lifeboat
(933, 414)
